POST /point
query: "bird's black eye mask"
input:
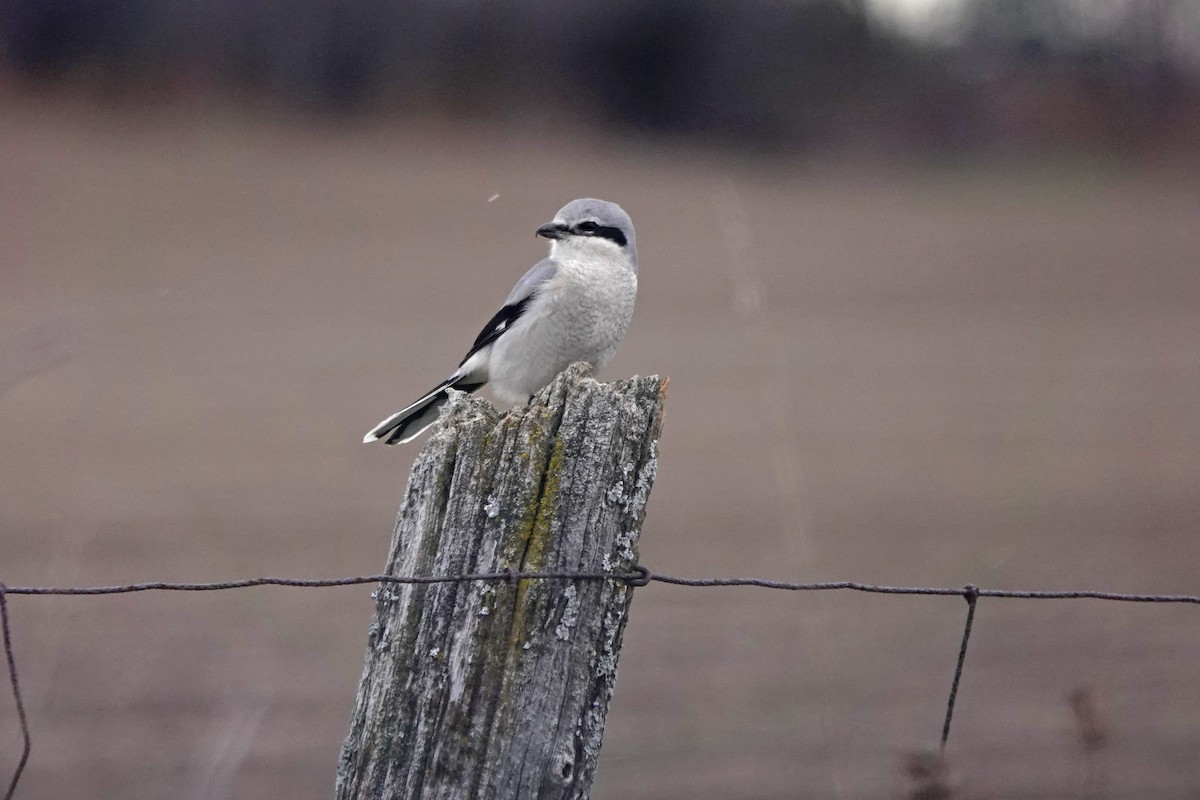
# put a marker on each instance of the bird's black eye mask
(591, 228)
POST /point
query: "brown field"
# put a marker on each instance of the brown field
(889, 375)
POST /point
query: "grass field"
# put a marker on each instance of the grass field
(986, 375)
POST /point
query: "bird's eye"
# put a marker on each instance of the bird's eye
(588, 227)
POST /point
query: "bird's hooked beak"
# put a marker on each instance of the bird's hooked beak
(553, 230)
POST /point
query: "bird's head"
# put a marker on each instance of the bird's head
(590, 228)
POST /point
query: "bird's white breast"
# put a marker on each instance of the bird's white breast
(580, 314)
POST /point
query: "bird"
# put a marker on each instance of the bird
(573, 305)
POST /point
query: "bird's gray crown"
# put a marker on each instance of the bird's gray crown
(588, 216)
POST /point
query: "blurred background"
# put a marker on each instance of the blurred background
(923, 274)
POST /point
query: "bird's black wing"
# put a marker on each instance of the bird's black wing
(497, 325)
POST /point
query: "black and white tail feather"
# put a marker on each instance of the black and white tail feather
(409, 423)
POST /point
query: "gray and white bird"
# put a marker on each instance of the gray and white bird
(573, 306)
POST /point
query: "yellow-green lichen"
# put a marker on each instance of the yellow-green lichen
(515, 547)
(535, 536)
(539, 537)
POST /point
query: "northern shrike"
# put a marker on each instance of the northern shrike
(572, 306)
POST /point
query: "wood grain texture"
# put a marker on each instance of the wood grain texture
(486, 690)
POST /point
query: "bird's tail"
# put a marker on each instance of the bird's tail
(408, 423)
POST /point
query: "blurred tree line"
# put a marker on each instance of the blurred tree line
(775, 73)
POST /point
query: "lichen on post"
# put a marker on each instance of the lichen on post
(487, 689)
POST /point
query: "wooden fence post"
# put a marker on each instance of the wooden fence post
(490, 690)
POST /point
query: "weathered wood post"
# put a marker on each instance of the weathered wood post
(486, 689)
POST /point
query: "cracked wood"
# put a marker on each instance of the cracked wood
(490, 690)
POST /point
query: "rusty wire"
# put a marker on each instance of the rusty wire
(27, 742)
(638, 576)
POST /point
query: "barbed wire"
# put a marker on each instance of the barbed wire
(638, 576)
